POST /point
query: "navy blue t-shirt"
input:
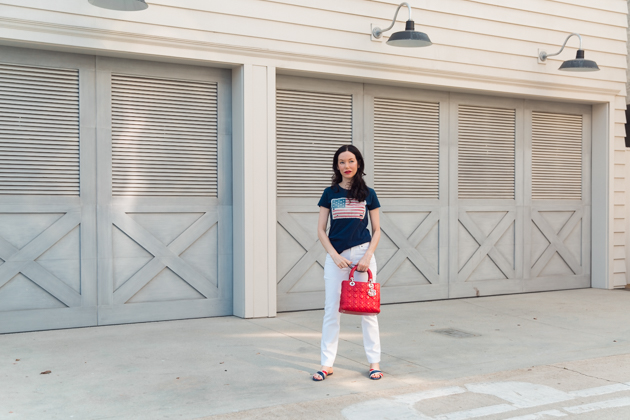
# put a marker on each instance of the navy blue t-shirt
(348, 217)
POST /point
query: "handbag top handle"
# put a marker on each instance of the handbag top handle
(351, 277)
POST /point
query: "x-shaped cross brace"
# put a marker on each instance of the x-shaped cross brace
(314, 252)
(23, 260)
(164, 256)
(407, 248)
(556, 243)
(487, 245)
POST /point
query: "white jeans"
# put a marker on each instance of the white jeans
(333, 276)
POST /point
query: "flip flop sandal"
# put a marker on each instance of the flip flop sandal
(375, 371)
(323, 374)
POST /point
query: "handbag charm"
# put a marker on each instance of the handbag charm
(360, 297)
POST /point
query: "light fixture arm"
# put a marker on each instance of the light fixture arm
(543, 54)
(377, 32)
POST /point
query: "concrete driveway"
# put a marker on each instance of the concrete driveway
(527, 357)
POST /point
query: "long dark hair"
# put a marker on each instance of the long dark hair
(358, 191)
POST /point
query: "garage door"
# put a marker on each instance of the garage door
(47, 191)
(480, 195)
(136, 154)
(486, 207)
(558, 199)
(407, 150)
(164, 204)
(314, 119)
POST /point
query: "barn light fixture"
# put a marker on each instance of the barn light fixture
(579, 64)
(124, 5)
(407, 38)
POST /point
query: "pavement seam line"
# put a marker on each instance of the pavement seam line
(589, 376)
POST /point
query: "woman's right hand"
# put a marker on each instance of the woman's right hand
(340, 261)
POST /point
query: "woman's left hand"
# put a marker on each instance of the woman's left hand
(364, 263)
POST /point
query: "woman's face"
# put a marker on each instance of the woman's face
(347, 165)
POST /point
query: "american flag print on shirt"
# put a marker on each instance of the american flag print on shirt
(347, 208)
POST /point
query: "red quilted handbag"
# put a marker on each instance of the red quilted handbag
(361, 297)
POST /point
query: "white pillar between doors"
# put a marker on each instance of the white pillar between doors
(254, 163)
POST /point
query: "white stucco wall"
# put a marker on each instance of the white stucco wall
(485, 46)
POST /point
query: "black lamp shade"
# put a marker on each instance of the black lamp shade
(124, 5)
(409, 37)
(579, 64)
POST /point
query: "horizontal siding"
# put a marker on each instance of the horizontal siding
(278, 22)
(621, 197)
(333, 28)
(583, 12)
(617, 6)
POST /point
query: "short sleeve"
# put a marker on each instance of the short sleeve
(372, 201)
(325, 200)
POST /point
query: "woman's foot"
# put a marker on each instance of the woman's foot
(326, 370)
(375, 372)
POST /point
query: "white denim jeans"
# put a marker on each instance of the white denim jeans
(333, 276)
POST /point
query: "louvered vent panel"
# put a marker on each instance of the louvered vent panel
(164, 135)
(310, 128)
(406, 148)
(39, 130)
(556, 156)
(486, 152)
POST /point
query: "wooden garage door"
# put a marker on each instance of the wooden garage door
(47, 223)
(480, 195)
(558, 225)
(164, 192)
(314, 119)
(407, 155)
(520, 194)
(486, 175)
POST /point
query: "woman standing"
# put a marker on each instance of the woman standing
(347, 203)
